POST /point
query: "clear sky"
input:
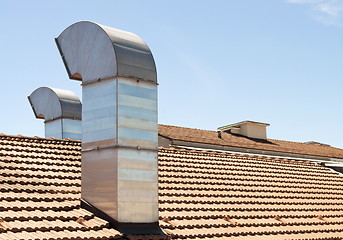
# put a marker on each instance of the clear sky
(218, 62)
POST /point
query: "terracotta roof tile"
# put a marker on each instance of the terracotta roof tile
(40, 192)
(220, 196)
(202, 194)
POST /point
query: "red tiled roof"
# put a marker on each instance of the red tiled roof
(40, 192)
(231, 140)
(221, 195)
(203, 195)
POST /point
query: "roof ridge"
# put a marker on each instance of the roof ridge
(165, 125)
(3, 135)
(268, 139)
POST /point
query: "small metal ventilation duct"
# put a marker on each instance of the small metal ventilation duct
(61, 110)
(119, 120)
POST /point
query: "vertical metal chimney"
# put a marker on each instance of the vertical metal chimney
(119, 120)
(61, 110)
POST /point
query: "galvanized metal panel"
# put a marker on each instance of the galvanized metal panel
(63, 128)
(131, 158)
(137, 169)
(99, 111)
(137, 175)
(139, 211)
(95, 51)
(106, 117)
(99, 179)
(135, 123)
(136, 91)
(137, 113)
(54, 129)
(71, 129)
(137, 102)
(138, 144)
(136, 192)
(137, 134)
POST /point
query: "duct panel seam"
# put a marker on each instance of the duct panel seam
(137, 91)
(138, 83)
(99, 135)
(137, 134)
(137, 102)
(72, 129)
(99, 179)
(141, 160)
(101, 89)
(138, 113)
(134, 123)
(135, 144)
(106, 122)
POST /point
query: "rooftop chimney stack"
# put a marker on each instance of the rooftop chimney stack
(249, 129)
(61, 110)
(119, 120)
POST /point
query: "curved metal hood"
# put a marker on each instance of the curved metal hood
(91, 52)
(52, 103)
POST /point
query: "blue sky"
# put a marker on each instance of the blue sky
(218, 62)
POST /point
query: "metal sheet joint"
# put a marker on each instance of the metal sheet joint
(120, 146)
(117, 76)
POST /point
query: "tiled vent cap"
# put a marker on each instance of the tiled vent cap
(249, 129)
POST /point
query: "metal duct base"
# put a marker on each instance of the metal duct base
(125, 228)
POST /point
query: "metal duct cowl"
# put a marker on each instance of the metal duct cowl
(61, 110)
(91, 51)
(119, 120)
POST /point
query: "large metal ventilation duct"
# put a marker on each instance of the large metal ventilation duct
(119, 120)
(61, 110)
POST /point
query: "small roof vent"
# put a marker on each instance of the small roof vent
(249, 129)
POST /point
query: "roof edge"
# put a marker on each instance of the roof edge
(243, 122)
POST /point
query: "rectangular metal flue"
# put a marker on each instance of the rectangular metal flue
(119, 119)
(119, 158)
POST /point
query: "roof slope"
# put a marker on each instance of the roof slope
(226, 196)
(203, 195)
(231, 140)
(40, 191)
